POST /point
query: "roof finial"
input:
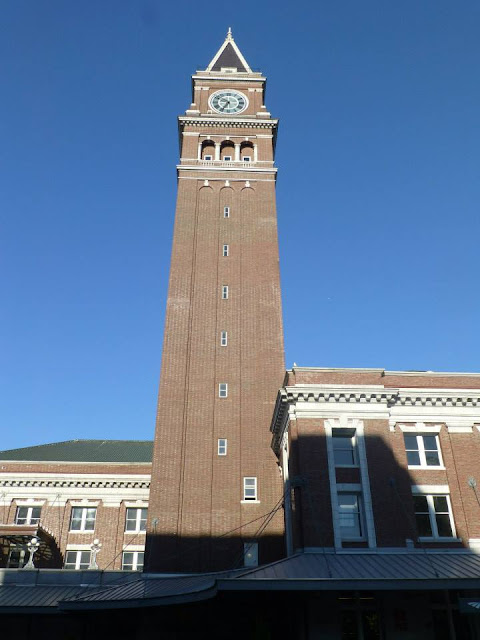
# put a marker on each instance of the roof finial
(229, 34)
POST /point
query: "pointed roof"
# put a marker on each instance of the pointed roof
(229, 56)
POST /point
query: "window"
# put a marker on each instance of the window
(83, 519)
(223, 339)
(136, 519)
(225, 292)
(226, 212)
(344, 447)
(350, 516)
(433, 516)
(227, 158)
(77, 560)
(249, 488)
(222, 447)
(222, 390)
(28, 515)
(422, 451)
(250, 554)
(208, 158)
(225, 250)
(132, 560)
(247, 159)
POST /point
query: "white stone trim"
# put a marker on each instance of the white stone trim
(29, 502)
(133, 547)
(84, 503)
(420, 427)
(240, 168)
(79, 547)
(459, 428)
(138, 504)
(419, 489)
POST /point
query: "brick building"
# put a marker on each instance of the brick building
(355, 491)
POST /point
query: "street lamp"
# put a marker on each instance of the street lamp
(95, 547)
(32, 547)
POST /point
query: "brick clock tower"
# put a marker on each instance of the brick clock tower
(216, 491)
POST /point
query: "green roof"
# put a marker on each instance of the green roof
(84, 451)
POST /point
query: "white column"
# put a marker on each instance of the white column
(217, 151)
(199, 151)
(255, 153)
(237, 152)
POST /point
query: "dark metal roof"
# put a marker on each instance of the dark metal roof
(146, 591)
(228, 58)
(84, 451)
(366, 570)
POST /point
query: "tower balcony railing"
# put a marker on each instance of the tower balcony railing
(229, 163)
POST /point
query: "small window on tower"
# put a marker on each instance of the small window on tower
(227, 158)
(222, 390)
(222, 447)
(247, 159)
(223, 339)
(225, 292)
(226, 212)
(249, 488)
(208, 158)
(225, 250)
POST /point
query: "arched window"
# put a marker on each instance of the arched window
(246, 152)
(208, 150)
(227, 151)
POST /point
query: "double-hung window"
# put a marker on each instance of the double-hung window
(344, 447)
(250, 488)
(226, 212)
(28, 515)
(223, 339)
(83, 519)
(222, 390)
(225, 251)
(225, 292)
(350, 516)
(222, 447)
(433, 516)
(132, 560)
(422, 450)
(77, 560)
(136, 520)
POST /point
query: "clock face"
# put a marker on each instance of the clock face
(228, 101)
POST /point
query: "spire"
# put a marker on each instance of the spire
(229, 56)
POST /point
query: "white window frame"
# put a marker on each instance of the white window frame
(226, 212)
(78, 559)
(223, 338)
(135, 562)
(247, 158)
(208, 157)
(28, 519)
(83, 522)
(361, 516)
(224, 291)
(138, 519)
(250, 554)
(227, 158)
(433, 520)
(225, 250)
(247, 488)
(421, 451)
(223, 390)
(222, 447)
(347, 434)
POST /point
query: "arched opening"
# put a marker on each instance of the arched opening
(227, 151)
(208, 150)
(246, 152)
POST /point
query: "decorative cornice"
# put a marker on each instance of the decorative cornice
(227, 122)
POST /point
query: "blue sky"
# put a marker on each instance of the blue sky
(378, 192)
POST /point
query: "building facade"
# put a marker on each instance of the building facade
(213, 470)
(69, 494)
